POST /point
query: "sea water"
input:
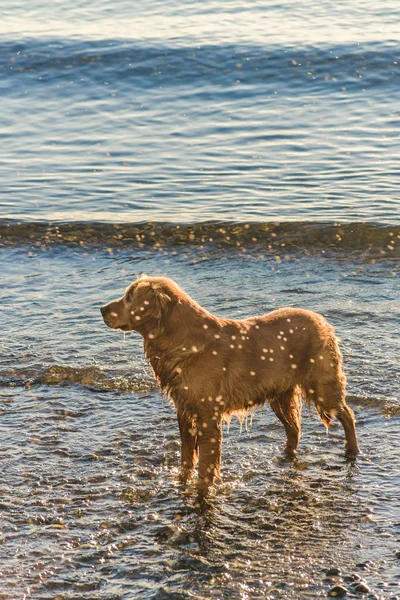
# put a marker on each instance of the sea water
(250, 151)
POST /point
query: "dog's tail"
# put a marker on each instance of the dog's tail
(325, 387)
(310, 395)
(323, 415)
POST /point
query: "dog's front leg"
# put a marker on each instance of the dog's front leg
(189, 448)
(210, 450)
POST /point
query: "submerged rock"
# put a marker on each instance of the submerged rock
(334, 572)
(365, 565)
(362, 588)
(352, 578)
(338, 591)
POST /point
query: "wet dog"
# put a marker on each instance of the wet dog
(212, 367)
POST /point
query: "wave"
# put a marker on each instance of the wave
(108, 381)
(124, 63)
(91, 377)
(375, 240)
(387, 407)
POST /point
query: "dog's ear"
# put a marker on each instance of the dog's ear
(163, 300)
(153, 298)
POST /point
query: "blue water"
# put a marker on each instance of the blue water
(186, 112)
(249, 150)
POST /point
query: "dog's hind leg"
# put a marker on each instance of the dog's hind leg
(210, 450)
(346, 416)
(189, 446)
(330, 398)
(287, 407)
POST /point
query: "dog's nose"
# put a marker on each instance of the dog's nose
(102, 310)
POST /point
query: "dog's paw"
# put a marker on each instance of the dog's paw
(185, 475)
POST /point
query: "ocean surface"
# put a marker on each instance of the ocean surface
(250, 151)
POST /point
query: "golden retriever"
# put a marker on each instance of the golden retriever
(212, 367)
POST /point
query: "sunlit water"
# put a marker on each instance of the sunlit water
(250, 151)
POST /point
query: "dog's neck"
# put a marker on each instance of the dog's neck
(178, 340)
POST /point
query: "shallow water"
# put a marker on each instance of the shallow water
(90, 499)
(249, 151)
(102, 516)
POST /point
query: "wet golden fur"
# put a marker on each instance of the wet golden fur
(212, 367)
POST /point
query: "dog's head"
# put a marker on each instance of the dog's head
(145, 302)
